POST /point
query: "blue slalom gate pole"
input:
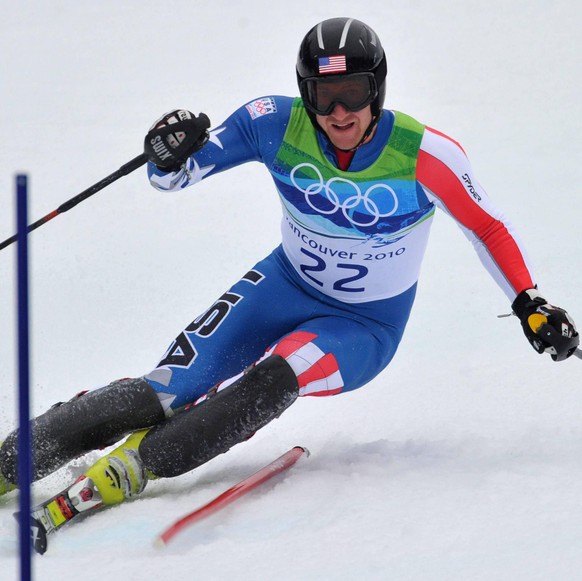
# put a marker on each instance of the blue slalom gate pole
(24, 437)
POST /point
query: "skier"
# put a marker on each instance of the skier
(325, 311)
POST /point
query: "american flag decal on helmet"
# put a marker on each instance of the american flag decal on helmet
(332, 64)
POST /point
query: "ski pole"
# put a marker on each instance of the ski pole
(125, 169)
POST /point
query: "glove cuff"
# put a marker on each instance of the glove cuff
(526, 302)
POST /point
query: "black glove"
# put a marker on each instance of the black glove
(173, 138)
(549, 329)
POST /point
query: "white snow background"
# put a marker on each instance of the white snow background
(461, 461)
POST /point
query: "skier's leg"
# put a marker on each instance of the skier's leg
(95, 419)
(192, 437)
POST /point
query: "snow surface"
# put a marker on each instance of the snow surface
(463, 460)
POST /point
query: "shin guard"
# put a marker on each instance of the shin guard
(93, 420)
(198, 434)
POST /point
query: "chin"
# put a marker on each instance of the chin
(344, 143)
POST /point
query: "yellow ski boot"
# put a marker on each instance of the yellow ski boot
(121, 474)
(111, 480)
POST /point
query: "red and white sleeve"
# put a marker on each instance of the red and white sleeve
(445, 174)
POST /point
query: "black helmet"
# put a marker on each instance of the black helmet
(341, 49)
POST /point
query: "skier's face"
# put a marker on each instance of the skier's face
(345, 128)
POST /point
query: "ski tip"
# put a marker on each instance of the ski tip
(305, 450)
(159, 543)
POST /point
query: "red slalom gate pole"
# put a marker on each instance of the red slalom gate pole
(279, 465)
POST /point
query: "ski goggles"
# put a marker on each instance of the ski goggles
(354, 92)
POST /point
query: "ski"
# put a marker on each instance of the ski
(282, 463)
(83, 497)
(46, 518)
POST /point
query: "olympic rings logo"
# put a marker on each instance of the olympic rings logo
(261, 107)
(356, 199)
